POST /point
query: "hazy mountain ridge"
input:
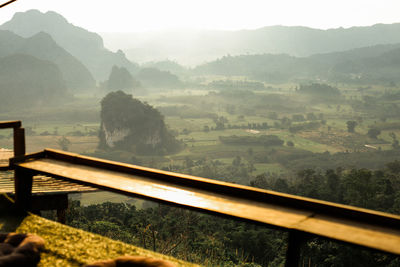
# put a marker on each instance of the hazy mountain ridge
(42, 46)
(86, 46)
(26, 81)
(377, 63)
(276, 53)
(166, 65)
(8, 42)
(196, 47)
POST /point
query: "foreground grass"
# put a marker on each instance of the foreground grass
(67, 246)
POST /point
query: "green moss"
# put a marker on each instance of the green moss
(67, 246)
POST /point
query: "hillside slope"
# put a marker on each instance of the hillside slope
(42, 46)
(376, 64)
(26, 81)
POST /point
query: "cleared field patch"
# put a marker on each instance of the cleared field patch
(302, 141)
(219, 151)
(62, 128)
(79, 144)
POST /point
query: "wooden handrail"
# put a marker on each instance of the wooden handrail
(10, 124)
(367, 228)
(18, 137)
(7, 3)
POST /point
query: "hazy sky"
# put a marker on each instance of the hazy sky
(143, 15)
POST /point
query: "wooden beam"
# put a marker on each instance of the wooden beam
(10, 124)
(353, 225)
(7, 3)
(19, 142)
(23, 188)
(295, 241)
(19, 139)
(246, 192)
(49, 202)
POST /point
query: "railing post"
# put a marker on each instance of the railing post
(19, 142)
(23, 189)
(61, 216)
(295, 240)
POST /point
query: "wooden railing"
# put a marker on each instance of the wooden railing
(301, 217)
(7, 3)
(19, 137)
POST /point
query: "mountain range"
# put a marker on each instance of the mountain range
(84, 45)
(272, 54)
(376, 64)
(194, 47)
(42, 46)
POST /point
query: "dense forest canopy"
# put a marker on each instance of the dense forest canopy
(323, 90)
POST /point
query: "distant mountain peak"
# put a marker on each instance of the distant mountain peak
(86, 46)
(34, 14)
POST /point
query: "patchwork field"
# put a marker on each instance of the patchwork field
(310, 129)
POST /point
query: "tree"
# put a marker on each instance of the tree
(395, 144)
(64, 143)
(351, 125)
(298, 117)
(319, 90)
(373, 133)
(250, 151)
(394, 166)
(311, 117)
(236, 161)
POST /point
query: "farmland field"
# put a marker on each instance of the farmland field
(308, 129)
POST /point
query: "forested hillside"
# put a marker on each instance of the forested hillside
(377, 64)
(26, 81)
